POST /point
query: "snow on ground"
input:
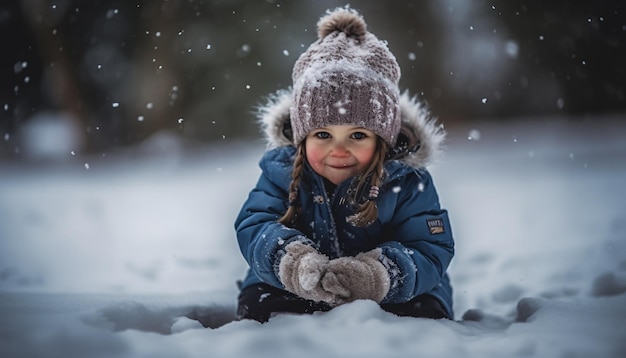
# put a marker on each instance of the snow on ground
(133, 255)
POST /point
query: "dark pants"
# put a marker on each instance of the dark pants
(259, 302)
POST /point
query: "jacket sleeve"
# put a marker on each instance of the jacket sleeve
(420, 245)
(260, 236)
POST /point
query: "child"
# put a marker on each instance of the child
(344, 209)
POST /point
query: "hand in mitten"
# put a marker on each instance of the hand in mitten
(301, 269)
(360, 277)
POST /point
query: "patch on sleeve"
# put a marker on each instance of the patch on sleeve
(435, 226)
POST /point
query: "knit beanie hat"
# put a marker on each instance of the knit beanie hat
(348, 76)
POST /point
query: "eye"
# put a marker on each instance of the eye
(322, 135)
(358, 135)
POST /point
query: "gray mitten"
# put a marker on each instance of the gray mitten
(301, 269)
(360, 277)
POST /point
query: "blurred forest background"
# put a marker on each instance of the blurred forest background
(91, 76)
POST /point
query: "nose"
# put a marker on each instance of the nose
(339, 150)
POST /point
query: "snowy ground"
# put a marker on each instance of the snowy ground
(130, 254)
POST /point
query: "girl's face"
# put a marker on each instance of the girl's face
(340, 152)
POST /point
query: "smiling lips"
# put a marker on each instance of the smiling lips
(340, 166)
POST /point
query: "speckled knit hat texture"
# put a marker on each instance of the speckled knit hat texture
(347, 77)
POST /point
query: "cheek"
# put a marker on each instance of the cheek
(314, 156)
(365, 157)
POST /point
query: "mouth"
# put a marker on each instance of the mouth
(340, 166)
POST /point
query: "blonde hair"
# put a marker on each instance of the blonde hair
(366, 213)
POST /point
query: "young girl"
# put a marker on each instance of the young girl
(344, 209)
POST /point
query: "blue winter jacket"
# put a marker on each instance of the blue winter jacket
(412, 229)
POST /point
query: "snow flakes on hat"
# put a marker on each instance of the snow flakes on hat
(348, 76)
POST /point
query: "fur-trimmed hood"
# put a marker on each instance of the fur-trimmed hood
(420, 142)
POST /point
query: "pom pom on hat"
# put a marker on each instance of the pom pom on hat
(344, 20)
(348, 76)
